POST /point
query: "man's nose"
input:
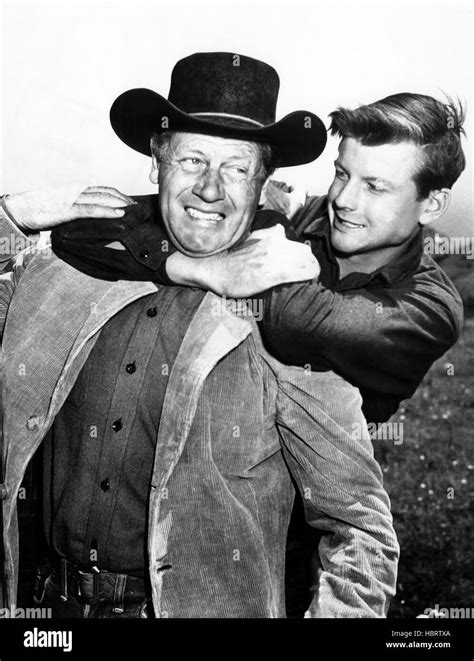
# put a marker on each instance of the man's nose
(210, 186)
(347, 196)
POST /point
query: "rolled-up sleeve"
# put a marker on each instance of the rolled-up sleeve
(328, 451)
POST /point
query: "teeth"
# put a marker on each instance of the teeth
(349, 224)
(202, 215)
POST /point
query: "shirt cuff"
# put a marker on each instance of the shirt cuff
(162, 276)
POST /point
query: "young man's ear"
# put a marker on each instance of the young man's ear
(155, 166)
(435, 205)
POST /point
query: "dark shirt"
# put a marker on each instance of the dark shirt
(381, 331)
(102, 445)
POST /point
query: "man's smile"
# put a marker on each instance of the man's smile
(342, 223)
(198, 214)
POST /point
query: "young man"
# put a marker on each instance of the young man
(382, 311)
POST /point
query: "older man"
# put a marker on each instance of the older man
(171, 438)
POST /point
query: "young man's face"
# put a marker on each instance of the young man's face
(209, 190)
(372, 202)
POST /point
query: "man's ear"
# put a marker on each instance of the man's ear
(263, 193)
(435, 205)
(155, 166)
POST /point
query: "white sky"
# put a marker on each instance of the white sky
(64, 63)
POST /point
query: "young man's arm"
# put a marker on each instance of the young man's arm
(329, 453)
(381, 340)
(270, 256)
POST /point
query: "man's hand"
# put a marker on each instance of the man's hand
(42, 209)
(266, 259)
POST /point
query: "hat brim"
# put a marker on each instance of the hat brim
(135, 115)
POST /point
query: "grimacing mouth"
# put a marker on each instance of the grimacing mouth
(200, 214)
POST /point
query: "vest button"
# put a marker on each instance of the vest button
(131, 368)
(151, 312)
(117, 425)
(105, 484)
(144, 254)
(33, 423)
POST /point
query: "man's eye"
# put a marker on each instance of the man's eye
(191, 160)
(374, 188)
(340, 174)
(235, 173)
(239, 169)
(192, 164)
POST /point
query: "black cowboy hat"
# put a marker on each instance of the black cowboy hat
(220, 94)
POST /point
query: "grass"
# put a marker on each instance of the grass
(429, 478)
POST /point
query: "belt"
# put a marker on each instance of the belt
(94, 585)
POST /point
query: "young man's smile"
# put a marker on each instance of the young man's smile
(342, 224)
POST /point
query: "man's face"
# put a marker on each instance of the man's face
(209, 190)
(372, 201)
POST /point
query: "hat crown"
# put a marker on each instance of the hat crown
(225, 84)
(225, 95)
